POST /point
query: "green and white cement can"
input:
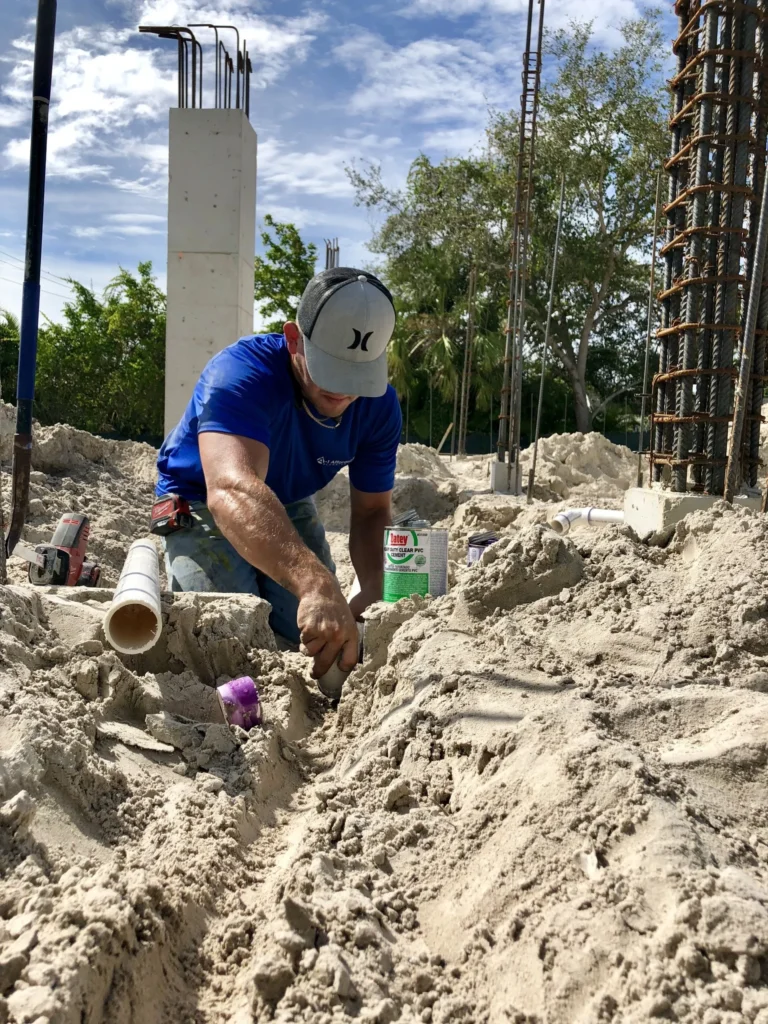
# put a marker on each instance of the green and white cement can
(415, 562)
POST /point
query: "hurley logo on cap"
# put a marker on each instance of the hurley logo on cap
(360, 341)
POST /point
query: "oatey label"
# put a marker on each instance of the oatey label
(415, 562)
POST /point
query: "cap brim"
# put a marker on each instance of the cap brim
(340, 377)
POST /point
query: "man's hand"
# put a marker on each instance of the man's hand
(327, 626)
(362, 602)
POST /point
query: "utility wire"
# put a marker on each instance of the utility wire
(14, 267)
(45, 273)
(47, 291)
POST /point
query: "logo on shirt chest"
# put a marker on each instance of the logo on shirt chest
(322, 461)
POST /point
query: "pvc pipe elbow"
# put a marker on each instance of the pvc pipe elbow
(134, 621)
(562, 522)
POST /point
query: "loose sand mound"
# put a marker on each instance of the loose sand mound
(73, 471)
(540, 799)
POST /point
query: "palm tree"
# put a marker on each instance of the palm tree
(401, 372)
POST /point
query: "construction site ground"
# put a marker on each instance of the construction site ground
(541, 798)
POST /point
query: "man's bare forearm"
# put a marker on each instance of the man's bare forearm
(253, 520)
(366, 549)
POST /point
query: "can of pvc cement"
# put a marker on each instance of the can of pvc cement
(415, 562)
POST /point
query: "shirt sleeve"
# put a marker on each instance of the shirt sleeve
(373, 468)
(234, 398)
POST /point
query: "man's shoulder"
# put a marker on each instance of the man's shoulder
(252, 357)
(259, 349)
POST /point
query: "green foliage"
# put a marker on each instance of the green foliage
(9, 355)
(281, 275)
(602, 125)
(103, 368)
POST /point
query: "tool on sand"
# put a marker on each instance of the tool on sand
(239, 701)
(62, 562)
(477, 543)
(169, 514)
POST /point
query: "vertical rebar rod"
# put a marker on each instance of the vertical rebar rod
(649, 329)
(545, 348)
(696, 222)
(672, 256)
(454, 441)
(506, 387)
(741, 401)
(514, 448)
(732, 219)
(759, 158)
(467, 368)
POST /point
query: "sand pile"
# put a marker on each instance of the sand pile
(112, 482)
(580, 465)
(540, 799)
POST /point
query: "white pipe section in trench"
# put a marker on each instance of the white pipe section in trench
(562, 522)
(134, 621)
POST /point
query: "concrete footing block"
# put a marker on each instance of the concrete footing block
(651, 511)
(501, 481)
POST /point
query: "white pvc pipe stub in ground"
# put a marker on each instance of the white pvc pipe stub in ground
(134, 621)
(562, 522)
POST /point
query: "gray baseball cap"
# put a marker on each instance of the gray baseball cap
(347, 318)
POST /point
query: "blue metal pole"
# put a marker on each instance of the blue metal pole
(30, 306)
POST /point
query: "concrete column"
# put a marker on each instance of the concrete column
(211, 244)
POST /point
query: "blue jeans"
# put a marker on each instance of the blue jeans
(202, 559)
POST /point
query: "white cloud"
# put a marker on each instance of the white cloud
(432, 80)
(134, 218)
(312, 172)
(456, 140)
(606, 14)
(12, 117)
(112, 87)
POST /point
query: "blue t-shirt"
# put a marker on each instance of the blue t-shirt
(249, 389)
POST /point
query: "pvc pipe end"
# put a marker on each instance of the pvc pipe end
(133, 628)
(560, 524)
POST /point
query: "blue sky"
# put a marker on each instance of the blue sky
(333, 81)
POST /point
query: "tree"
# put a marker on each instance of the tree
(602, 124)
(603, 127)
(103, 368)
(9, 355)
(281, 275)
(447, 216)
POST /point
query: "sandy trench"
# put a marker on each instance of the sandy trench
(540, 799)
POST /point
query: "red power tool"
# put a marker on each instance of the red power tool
(62, 562)
(169, 514)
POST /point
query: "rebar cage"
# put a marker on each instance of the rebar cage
(715, 176)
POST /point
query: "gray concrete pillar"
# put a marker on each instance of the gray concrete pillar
(211, 244)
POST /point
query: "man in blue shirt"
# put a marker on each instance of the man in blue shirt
(272, 419)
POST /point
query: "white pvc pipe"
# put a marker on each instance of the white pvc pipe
(562, 522)
(134, 621)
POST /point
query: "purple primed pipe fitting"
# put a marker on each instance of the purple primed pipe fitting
(239, 700)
